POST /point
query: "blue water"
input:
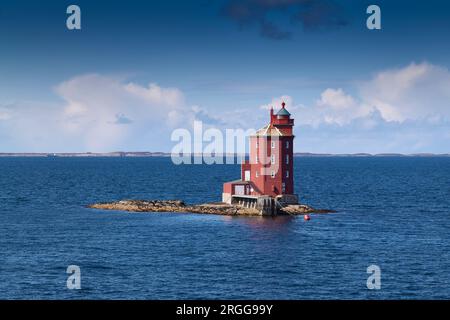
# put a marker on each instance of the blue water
(392, 212)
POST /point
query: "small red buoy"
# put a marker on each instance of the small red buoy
(306, 217)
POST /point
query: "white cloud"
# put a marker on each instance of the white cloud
(96, 104)
(398, 110)
(98, 113)
(337, 107)
(416, 92)
(157, 95)
(336, 99)
(277, 101)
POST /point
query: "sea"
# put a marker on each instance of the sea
(392, 216)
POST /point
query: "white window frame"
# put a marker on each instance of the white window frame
(272, 174)
(272, 159)
(256, 159)
(272, 143)
(287, 173)
(257, 144)
(283, 187)
(256, 174)
(287, 159)
(287, 144)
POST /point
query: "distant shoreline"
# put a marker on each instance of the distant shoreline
(166, 154)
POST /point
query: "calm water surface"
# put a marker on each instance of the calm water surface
(392, 212)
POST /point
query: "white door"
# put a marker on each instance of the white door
(247, 175)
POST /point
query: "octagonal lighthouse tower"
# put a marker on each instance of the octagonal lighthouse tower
(267, 177)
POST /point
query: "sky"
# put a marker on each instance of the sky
(138, 70)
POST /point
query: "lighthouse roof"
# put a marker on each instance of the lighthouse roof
(269, 130)
(283, 112)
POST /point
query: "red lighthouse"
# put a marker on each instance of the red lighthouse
(267, 175)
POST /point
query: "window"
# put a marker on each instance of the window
(257, 144)
(272, 159)
(273, 144)
(287, 144)
(287, 159)
(272, 174)
(239, 190)
(287, 174)
(256, 159)
(257, 174)
(283, 187)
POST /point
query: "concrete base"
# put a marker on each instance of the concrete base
(266, 205)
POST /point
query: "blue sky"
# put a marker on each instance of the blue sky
(139, 69)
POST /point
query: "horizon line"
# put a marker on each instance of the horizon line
(168, 154)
